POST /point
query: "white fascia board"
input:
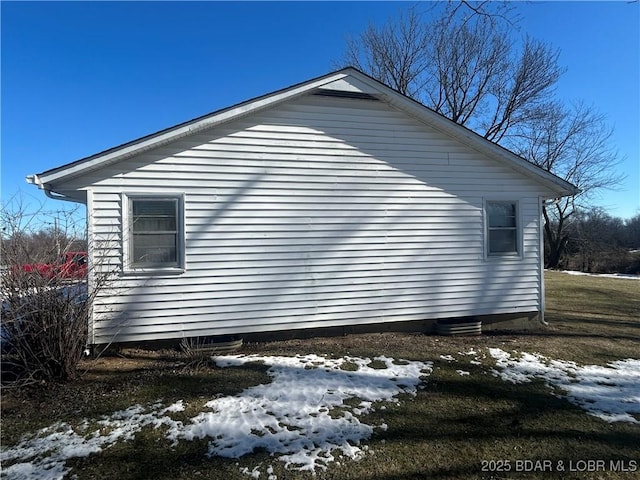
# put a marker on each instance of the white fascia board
(359, 82)
(172, 134)
(34, 180)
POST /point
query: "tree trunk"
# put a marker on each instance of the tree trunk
(556, 239)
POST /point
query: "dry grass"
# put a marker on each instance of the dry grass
(447, 431)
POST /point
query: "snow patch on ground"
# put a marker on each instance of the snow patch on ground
(302, 417)
(603, 275)
(610, 392)
(294, 416)
(470, 352)
(477, 359)
(448, 358)
(45, 453)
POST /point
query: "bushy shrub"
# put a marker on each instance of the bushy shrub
(45, 310)
(44, 326)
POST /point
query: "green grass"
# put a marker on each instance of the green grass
(446, 431)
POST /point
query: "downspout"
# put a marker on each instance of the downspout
(35, 180)
(543, 293)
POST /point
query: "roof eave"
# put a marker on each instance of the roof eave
(410, 106)
(49, 192)
(182, 130)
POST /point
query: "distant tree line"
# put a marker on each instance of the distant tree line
(33, 235)
(40, 246)
(596, 242)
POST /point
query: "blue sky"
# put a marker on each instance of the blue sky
(81, 77)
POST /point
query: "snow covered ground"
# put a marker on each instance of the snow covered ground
(611, 393)
(289, 417)
(303, 417)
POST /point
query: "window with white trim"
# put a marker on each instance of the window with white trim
(502, 228)
(155, 236)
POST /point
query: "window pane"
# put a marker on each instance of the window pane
(154, 215)
(502, 241)
(501, 214)
(154, 249)
(154, 224)
(154, 207)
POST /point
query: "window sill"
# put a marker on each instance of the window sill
(503, 256)
(154, 271)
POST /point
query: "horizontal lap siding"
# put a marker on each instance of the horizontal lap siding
(320, 212)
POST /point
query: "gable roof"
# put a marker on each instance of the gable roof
(347, 81)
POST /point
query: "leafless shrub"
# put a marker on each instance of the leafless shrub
(45, 305)
(199, 350)
(44, 325)
(193, 351)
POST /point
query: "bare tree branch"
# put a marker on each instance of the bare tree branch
(462, 63)
(487, 9)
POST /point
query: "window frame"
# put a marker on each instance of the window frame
(177, 266)
(488, 229)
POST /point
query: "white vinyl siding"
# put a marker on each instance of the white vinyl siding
(319, 212)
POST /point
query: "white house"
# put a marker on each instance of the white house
(337, 202)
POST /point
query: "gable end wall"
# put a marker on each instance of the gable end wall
(320, 212)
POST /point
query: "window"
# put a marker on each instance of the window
(155, 226)
(502, 228)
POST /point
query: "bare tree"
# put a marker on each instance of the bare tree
(395, 54)
(573, 143)
(466, 63)
(463, 63)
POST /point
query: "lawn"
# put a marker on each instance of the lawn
(460, 417)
